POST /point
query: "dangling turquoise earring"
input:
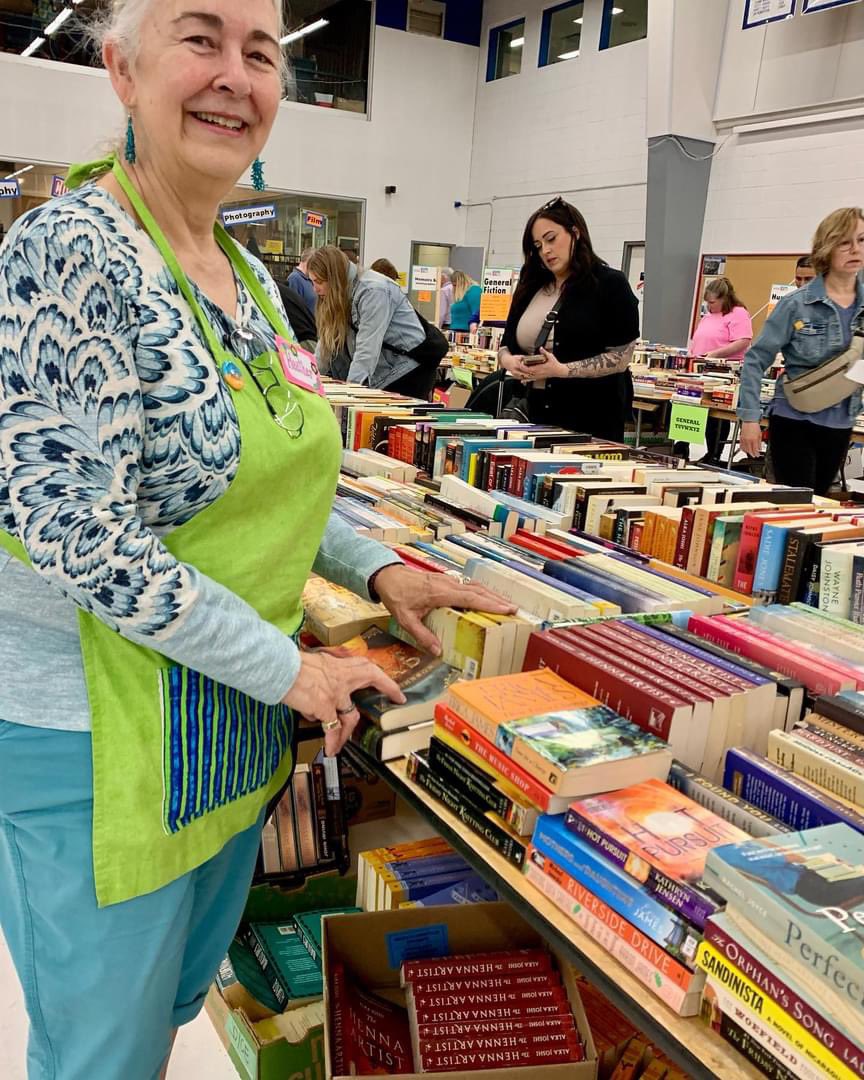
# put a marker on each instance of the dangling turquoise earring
(258, 175)
(129, 152)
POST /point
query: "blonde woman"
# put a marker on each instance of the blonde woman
(167, 470)
(465, 308)
(366, 327)
(808, 327)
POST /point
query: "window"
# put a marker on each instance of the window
(426, 17)
(561, 33)
(623, 21)
(505, 50)
(327, 42)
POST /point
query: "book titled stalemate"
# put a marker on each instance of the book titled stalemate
(803, 895)
(661, 838)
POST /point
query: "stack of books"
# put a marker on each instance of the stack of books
(307, 830)
(784, 962)
(505, 749)
(388, 730)
(489, 1011)
(334, 614)
(421, 873)
(289, 955)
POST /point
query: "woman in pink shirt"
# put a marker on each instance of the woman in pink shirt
(724, 333)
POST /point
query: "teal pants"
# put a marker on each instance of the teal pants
(104, 987)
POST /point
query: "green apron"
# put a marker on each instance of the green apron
(181, 763)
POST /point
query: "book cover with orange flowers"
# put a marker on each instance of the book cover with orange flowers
(661, 838)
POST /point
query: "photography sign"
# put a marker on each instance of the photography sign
(248, 215)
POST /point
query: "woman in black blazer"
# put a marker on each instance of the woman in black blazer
(584, 380)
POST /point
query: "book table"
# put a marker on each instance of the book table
(690, 1043)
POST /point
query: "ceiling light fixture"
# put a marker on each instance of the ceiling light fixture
(617, 11)
(568, 55)
(578, 21)
(517, 42)
(12, 175)
(35, 44)
(57, 22)
(295, 35)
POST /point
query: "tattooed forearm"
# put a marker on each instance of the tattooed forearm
(611, 362)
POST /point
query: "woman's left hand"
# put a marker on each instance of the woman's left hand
(409, 595)
(552, 369)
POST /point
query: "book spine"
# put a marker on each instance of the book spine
(745, 568)
(470, 966)
(475, 783)
(826, 1039)
(751, 1049)
(337, 1019)
(683, 539)
(786, 590)
(279, 989)
(639, 955)
(468, 813)
(813, 763)
(782, 793)
(777, 923)
(748, 994)
(831, 741)
(308, 944)
(470, 996)
(482, 1043)
(540, 1027)
(781, 1050)
(506, 983)
(835, 581)
(715, 558)
(435, 1014)
(843, 711)
(856, 613)
(723, 803)
(319, 804)
(694, 904)
(509, 1057)
(620, 893)
(497, 759)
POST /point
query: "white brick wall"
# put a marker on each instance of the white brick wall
(561, 129)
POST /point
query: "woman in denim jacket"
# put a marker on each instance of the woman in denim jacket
(366, 327)
(808, 327)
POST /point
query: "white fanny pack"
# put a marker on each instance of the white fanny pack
(827, 384)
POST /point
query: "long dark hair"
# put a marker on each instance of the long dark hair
(584, 262)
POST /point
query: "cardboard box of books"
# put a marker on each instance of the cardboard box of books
(366, 952)
(264, 1044)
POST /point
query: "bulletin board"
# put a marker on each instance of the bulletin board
(751, 275)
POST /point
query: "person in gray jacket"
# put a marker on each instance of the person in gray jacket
(809, 326)
(366, 326)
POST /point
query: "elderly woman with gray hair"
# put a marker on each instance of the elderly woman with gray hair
(167, 469)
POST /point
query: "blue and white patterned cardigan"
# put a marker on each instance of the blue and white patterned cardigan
(115, 428)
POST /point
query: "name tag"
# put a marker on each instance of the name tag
(299, 366)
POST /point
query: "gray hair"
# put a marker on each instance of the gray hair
(122, 25)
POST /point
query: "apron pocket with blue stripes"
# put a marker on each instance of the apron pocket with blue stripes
(219, 744)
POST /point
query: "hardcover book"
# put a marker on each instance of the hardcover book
(335, 614)
(659, 837)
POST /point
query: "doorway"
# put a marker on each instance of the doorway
(426, 261)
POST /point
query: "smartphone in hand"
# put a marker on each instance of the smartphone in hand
(533, 361)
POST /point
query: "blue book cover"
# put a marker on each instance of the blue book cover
(769, 561)
(803, 893)
(426, 867)
(616, 889)
(470, 890)
(629, 597)
(783, 794)
(664, 577)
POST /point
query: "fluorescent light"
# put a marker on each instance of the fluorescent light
(568, 55)
(12, 175)
(578, 21)
(517, 42)
(303, 31)
(56, 23)
(35, 44)
(617, 11)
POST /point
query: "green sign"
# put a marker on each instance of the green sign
(687, 423)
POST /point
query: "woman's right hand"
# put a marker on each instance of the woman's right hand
(323, 688)
(750, 439)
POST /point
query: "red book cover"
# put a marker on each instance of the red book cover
(748, 552)
(337, 1019)
(469, 966)
(634, 540)
(618, 685)
(533, 981)
(440, 1014)
(378, 1035)
(504, 1056)
(777, 655)
(500, 762)
(471, 996)
(496, 459)
(541, 1027)
(685, 532)
(487, 1040)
